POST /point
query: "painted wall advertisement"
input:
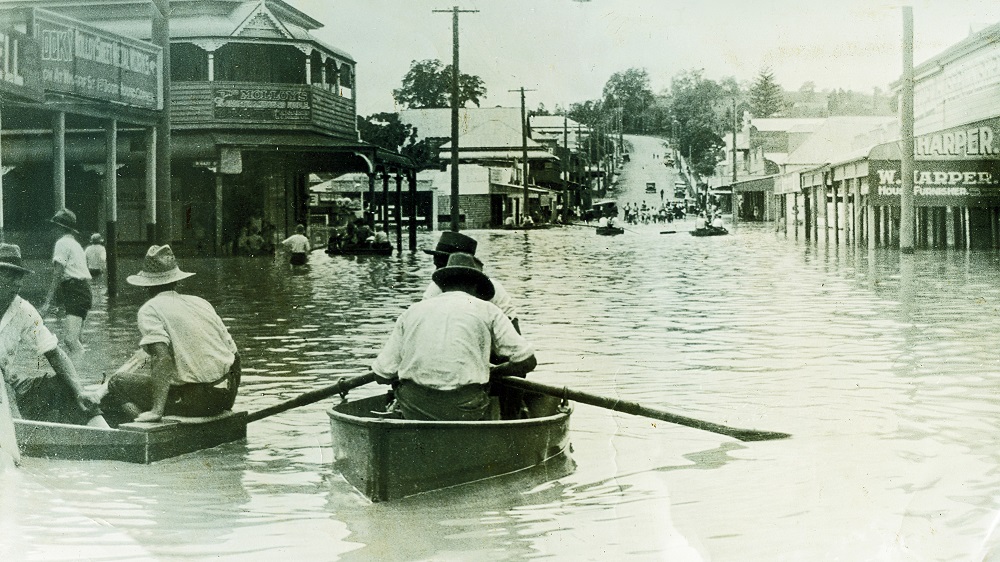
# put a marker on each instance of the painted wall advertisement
(935, 183)
(263, 104)
(20, 74)
(86, 61)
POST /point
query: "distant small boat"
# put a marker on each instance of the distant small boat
(388, 459)
(610, 230)
(130, 442)
(356, 250)
(710, 231)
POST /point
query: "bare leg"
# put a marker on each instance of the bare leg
(73, 326)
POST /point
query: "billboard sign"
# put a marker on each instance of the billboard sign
(20, 74)
(85, 61)
(942, 182)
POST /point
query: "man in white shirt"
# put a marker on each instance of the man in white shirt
(438, 354)
(193, 367)
(452, 242)
(70, 286)
(57, 397)
(298, 245)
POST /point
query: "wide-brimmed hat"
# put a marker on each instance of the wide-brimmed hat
(10, 258)
(451, 242)
(159, 268)
(462, 268)
(66, 219)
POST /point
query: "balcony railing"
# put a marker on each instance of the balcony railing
(261, 107)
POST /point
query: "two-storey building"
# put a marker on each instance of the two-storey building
(256, 104)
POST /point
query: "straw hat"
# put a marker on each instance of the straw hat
(66, 219)
(10, 258)
(451, 242)
(159, 268)
(462, 268)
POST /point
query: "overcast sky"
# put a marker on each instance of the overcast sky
(566, 49)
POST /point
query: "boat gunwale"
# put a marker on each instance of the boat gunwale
(333, 413)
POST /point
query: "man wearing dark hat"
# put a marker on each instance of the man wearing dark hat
(451, 242)
(56, 397)
(439, 350)
(193, 368)
(70, 287)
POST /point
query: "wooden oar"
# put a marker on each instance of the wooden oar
(341, 387)
(668, 232)
(640, 410)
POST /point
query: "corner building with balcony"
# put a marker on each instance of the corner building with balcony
(256, 105)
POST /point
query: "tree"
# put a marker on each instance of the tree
(697, 115)
(629, 91)
(428, 85)
(385, 130)
(766, 96)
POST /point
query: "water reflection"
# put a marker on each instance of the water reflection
(882, 367)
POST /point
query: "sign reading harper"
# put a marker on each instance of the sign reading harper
(86, 61)
(959, 178)
(263, 104)
(19, 71)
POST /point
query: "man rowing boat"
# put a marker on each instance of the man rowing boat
(438, 355)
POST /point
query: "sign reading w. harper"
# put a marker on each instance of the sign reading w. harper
(86, 61)
(262, 104)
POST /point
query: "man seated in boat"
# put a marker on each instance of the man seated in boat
(381, 239)
(58, 397)
(454, 242)
(438, 355)
(717, 222)
(193, 366)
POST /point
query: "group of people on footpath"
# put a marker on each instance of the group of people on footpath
(440, 357)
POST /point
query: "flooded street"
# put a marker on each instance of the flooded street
(882, 370)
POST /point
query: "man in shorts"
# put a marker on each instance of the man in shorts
(70, 286)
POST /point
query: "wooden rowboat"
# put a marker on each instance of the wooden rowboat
(710, 231)
(130, 442)
(610, 230)
(388, 459)
(381, 250)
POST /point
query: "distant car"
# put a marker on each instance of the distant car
(625, 157)
(650, 187)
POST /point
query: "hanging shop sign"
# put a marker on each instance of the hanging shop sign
(20, 73)
(941, 182)
(273, 104)
(89, 62)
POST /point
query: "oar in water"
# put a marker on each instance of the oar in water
(341, 387)
(640, 410)
(668, 232)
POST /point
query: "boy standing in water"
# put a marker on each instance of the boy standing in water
(298, 245)
(70, 286)
(97, 256)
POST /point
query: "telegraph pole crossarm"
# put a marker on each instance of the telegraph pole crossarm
(454, 112)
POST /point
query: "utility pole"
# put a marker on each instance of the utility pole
(565, 167)
(524, 150)
(454, 111)
(906, 214)
(732, 189)
(164, 197)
